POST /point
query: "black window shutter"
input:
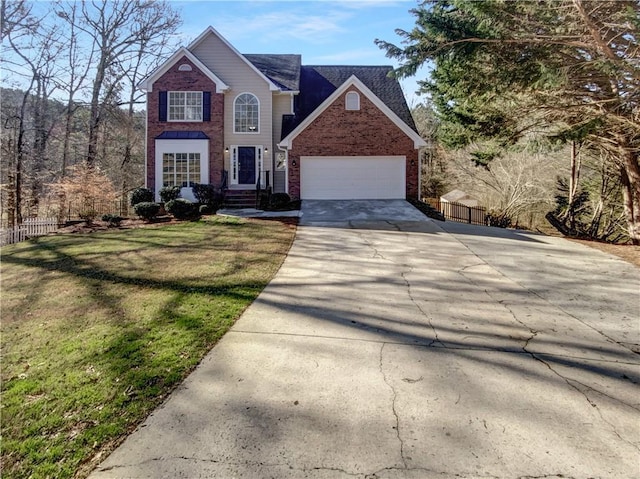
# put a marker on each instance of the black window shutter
(162, 106)
(206, 106)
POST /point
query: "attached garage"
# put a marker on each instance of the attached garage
(352, 177)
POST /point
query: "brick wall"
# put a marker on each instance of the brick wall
(364, 132)
(195, 80)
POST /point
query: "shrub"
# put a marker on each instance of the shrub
(147, 210)
(498, 219)
(82, 191)
(88, 214)
(113, 220)
(182, 209)
(207, 195)
(141, 195)
(168, 193)
(279, 200)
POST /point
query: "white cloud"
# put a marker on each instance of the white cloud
(286, 24)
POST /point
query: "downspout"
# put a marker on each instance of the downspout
(146, 147)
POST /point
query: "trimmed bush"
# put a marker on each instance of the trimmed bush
(182, 209)
(279, 201)
(147, 210)
(168, 193)
(141, 195)
(207, 195)
(113, 220)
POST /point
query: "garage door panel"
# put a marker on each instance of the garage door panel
(345, 178)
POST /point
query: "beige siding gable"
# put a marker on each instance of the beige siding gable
(240, 77)
(226, 62)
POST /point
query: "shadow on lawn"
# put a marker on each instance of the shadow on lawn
(139, 359)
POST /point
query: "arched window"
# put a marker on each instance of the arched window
(246, 114)
(352, 101)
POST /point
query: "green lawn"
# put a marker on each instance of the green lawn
(98, 328)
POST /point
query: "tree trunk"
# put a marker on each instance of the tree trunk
(95, 116)
(574, 181)
(630, 178)
(39, 144)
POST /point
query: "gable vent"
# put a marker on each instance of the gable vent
(185, 67)
(352, 101)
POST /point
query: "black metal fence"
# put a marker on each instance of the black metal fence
(474, 215)
(80, 210)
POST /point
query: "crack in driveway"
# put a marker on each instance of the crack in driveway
(403, 275)
(569, 381)
(393, 406)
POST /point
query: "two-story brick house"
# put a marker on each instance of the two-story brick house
(315, 132)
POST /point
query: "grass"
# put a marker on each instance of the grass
(98, 328)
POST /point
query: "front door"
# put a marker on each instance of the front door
(246, 165)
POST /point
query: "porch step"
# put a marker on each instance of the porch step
(240, 199)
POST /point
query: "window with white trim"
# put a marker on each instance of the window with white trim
(180, 169)
(246, 114)
(352, 101)
(185, 106)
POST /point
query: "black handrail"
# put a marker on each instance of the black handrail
(258, 191)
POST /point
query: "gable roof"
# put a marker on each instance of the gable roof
(319, 81)
(283, 70)
(147, 83)
(212, 31)
(354, 81)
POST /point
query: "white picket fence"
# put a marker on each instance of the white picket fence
(29, 228)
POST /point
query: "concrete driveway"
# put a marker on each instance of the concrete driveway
(401, 348)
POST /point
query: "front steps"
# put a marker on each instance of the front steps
(239, 199)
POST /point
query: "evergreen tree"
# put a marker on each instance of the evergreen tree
(502, 68)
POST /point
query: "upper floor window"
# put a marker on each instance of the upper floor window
(352, 101)
(185, 106)
(246, 114)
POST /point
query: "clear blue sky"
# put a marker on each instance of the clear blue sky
(323, 32)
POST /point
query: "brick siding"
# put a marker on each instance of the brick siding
(364, 132)
(195, 80)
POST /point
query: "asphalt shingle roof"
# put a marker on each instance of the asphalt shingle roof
(283, 70)
(317, 82)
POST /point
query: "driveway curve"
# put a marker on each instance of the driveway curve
(393, 346)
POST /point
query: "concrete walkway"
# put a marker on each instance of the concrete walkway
(395, 348)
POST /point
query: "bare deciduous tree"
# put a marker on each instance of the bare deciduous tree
(122, 32)
(74, 68)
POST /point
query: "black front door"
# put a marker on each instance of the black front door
(246, 165)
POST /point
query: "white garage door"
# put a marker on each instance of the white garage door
(352, 177)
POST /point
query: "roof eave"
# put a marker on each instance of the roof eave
(146, 85)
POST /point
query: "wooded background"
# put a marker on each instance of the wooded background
(516, 85)
(71, 112)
